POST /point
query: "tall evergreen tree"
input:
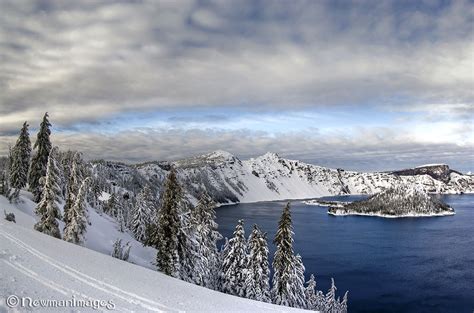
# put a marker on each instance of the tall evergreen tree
(298, 289)
(310, 294)
(168, 226)
(47, 208)
(331, 305)
(234, 264)
(74, 180)
(258, 275)
(284, 263)
(112, 205)
(188, 252)
(142, 214)
(39, 161)
(20, 160)
(206, 236)
(120, 217)
(75, 228)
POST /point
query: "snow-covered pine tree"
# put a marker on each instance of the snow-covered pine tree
(75, 229)
(343, 304)
(284, 263)
(39, 161)
(111, 208)
(258, 274)
(310, 293)
(206, 236)
(20, 161)
(168, 226)
(187, 244)
(142, 214)
(4, 184)
(234, 264)
(47, 209)
(120, 217)
(121, 252)
(298, 283)
(74, 181)
(330, 302)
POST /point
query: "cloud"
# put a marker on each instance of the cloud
(87, 61)
(95, 62)
(364, 149)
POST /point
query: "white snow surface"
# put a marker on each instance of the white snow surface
(40, 267)
(270, 177)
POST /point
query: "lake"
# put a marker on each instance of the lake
(388, 265)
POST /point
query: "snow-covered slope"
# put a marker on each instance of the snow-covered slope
(39, 267)
(270, 177)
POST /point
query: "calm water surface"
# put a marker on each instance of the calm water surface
(388, 265)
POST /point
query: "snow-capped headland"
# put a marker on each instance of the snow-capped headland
(401, 201)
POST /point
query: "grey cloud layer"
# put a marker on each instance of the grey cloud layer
(366, 149)
(87, 60)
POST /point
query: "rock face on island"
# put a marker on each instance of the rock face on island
(400, 201)
(440, 172)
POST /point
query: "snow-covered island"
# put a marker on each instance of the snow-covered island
(400, 201)
(326, 203)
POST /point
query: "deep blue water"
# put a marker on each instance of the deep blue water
(388, 265)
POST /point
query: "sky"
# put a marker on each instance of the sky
(361, 85)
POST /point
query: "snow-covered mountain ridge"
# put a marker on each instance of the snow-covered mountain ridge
(269, 177)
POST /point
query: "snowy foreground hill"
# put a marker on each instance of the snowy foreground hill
(37, 267)
(269, 177)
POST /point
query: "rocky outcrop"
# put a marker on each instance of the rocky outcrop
(437, 171)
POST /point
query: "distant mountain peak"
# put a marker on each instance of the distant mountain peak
(219, 154)
(269, 156)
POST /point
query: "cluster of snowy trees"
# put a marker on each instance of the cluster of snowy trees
(245, 271)
(55, 179)
(186, 240)
(184, 235)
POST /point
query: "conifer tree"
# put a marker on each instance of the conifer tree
(74, 181)
(284, 262)
(121, 252)
(298, 283)
(20, 160)
(258, 275)
(234, 264)
(343, 305)
(168, 227)
(47, 209)
(188, 252)
(206, 236)
(4, 184)
(39, 161)
(330, 298)
(75, 229)
(310, 294)
(120, 217)
(142, 214)
(111, 208)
